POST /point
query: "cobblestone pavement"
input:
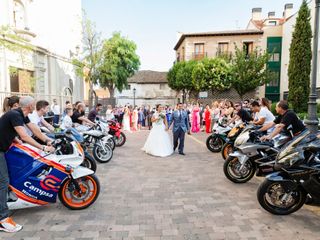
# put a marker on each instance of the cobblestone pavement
(179, 197)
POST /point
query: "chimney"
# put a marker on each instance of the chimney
(256, 14)
(271, 14)
(288, 10)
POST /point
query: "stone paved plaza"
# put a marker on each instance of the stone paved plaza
(180, 197)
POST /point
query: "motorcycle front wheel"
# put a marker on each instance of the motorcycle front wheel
(73, 198)
(235, 172)
(226, 150)
(102, 155)
(121, 140)
(112, 143)
(273, 198)
(214, 143)
(89, 162)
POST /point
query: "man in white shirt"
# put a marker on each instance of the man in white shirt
(263, 116)
(55, 108)
(36, 118)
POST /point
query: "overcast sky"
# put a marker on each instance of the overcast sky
(153, 24)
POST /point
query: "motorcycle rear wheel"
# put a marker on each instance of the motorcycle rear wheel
(121, 140)
(266, 192)
(214, 143)
(75, 200)
(231, 172)
(226, 150)
(100, 155)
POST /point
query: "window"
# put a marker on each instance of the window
(198, 51)
(223, 47)
(248, 46)
(275, 57)
(128, 87)
(198, 48)
(19, 18)
(275, 78)
(272, 23)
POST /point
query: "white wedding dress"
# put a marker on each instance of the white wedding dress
(159, 141)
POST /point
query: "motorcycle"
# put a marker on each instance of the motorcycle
(115, 130)
(97, 141)
(37, 179)
(253, 156)
(218, 138)
(66, 148)
(228, 147)
(298, 175)
(103, 127)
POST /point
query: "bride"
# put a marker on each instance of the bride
(159, 142)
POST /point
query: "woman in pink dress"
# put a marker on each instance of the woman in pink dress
(196, 119)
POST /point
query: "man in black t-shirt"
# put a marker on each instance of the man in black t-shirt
(12, 125)
(241, 114)
(94, 112)
(78, 116)
(283, 121)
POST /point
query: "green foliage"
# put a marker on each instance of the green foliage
(249, 71)
(300, 60)
(12, 41)
(214, 74)
(119, 62)
(206, 74)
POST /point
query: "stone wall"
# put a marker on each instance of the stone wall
(231, 95)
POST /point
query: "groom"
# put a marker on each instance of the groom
(180, 127)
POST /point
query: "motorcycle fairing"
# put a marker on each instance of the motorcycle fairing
(32, 177)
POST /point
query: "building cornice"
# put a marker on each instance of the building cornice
(220, 33)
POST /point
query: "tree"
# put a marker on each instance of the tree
(180, 77)
(249, 70)
(119, 62)
(86, 66)
(214, 74)
(300, 60)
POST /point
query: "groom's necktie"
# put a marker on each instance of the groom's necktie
(180, 115)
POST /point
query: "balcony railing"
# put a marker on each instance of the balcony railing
(199, 56)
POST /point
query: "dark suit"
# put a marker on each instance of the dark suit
(180, 127)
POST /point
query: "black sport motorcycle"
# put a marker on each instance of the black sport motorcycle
(298, 174)
(252, 155)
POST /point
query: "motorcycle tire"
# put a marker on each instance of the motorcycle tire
(72, 199)
(226, 150)
(89, 162)
(121, 140)
(215, 143)
(264, 190)
(112, 143)
(101, 156)
(229, 166)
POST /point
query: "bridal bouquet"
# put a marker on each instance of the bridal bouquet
(162, 115)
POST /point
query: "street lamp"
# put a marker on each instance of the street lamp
(134, 97)
(312, 121)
